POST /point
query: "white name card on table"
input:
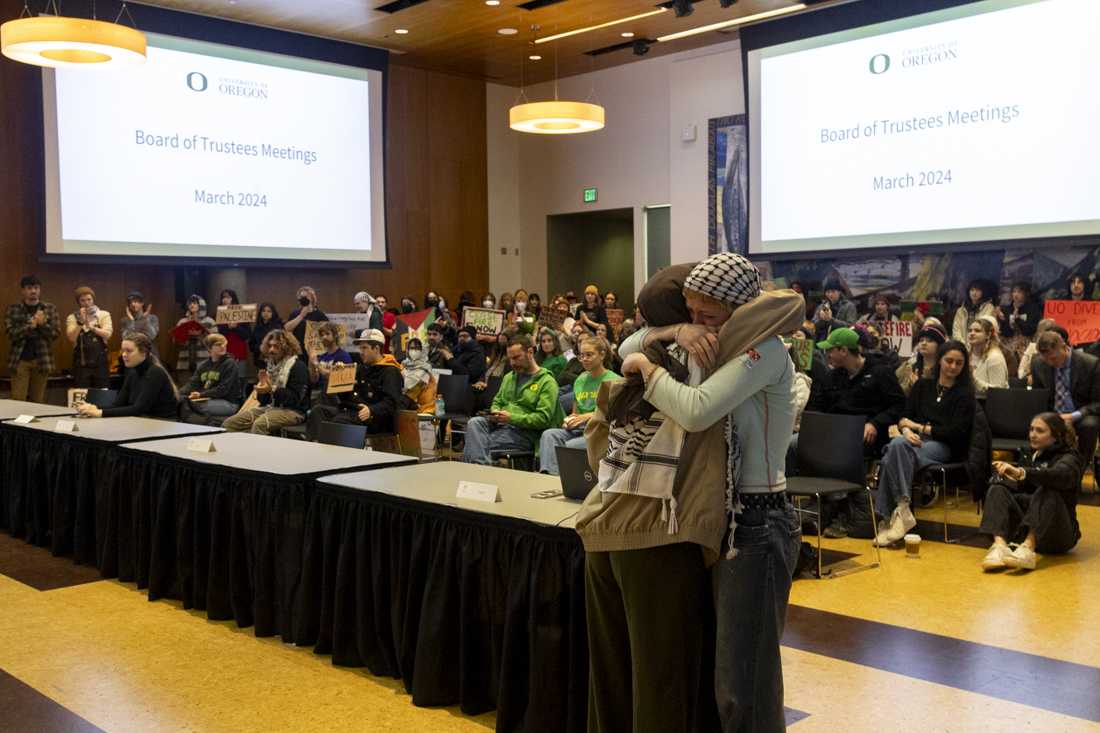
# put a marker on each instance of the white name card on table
(24, 419)
(66, 426)
(201, 445)
(478, 492)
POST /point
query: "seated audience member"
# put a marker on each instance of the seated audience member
(89, 329)
(489, 301)
(987, 362)
(465, 300)
(1073, 378)
(420, 385)
(148, 390)
(525, 405)
(979, 302)
(438, 349)
(238, 336)
(320, 365)
(389, 319)
(1023, 371)
(214, 390)
(1019, 319)
(857, 385)
(549, 355)
(1078, 287)
(923, 360)
(468, 357)
(1035, 502)
(934, 428)
(880, 312)
(534, 306)
(592, 352)
(591, 312)
(497, 358)
(366, 304)
(282, 390)
(835, 308)
(507, 303)
(377, 395)
(267, 320)
(307, 310)
(196, 313)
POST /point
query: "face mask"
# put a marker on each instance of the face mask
(433, 302)
(415, 354)
(521, 306)
(487, 304)
(406, 307)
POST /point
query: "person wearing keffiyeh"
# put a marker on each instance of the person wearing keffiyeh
(687, 434)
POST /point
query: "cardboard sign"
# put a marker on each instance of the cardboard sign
(353, 324)
(487, 321)
(77, 396)
(232, 315)
(201, 445)
(478, 492)
(900, 336)
(1080, 317)
(313, 345)
(802, 351)
(341, 379)
(553, 319)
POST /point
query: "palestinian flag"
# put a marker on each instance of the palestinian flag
(411, 325)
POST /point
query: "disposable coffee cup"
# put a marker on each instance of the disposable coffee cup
(912, 546)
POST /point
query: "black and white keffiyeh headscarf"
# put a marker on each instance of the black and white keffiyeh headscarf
(727, 277)
(732, 279)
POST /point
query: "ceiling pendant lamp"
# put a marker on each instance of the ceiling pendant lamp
(557, 116)
(64, 42)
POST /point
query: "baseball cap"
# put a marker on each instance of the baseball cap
(845, 337)
(372, 335)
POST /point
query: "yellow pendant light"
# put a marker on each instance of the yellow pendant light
(64, 42)
(554, 117)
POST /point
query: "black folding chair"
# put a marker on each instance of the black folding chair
(830, 462)
(1009, 412)
(343, 434)
(101, 397)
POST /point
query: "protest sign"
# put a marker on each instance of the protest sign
(353, 324)
(341, 379)
(802, 350)
(1081, 318)
(487, 321)
(313, 345)
(232, 315)
(899, 334)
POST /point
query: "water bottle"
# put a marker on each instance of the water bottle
(440, 406)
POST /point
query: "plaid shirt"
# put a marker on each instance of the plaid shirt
(19, 329)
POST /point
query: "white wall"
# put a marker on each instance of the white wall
(635, 161)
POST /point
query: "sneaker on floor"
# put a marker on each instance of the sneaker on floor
(1022, 558)
(901, 522)
(881, 532)
(995, 558)
(837, 530)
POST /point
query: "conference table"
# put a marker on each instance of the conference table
(474, 603)
(220, 531)
(51, 479)
(11, 409)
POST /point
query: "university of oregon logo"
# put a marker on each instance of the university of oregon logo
(879, 64)
(196, 81)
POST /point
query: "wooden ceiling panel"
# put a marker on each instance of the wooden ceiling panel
(460, 36)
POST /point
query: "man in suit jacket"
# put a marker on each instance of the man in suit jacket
(1073, 378)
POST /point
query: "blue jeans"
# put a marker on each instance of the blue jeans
(483, 436)
(751, 592)
(551, 439)
(900, 462)
(215, 408)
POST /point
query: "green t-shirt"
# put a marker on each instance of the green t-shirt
(587, 387)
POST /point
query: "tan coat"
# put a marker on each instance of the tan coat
(612, 522)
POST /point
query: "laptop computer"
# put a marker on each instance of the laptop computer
(577, 477)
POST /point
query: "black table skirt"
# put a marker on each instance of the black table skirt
(469, 609)
(222, 540)
(48, 489)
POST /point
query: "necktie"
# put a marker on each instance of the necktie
(1061, 391)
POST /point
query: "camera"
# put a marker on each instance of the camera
(303, 301)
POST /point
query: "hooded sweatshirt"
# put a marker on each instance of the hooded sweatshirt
(379, 386)
(534, 406)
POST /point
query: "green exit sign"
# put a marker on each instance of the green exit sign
(590, 195)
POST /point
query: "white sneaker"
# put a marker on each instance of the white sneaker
(995, 558)
(901, 522)
(1022, 558)
(880, 534)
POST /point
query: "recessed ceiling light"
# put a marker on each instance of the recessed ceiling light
(536, 57)
(507, 31)
(627, 34)
(494, 3)
(401, 31)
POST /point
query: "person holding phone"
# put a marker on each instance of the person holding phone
(307, 310)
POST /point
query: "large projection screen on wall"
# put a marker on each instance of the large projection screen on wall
(967, 124)
(211, 152)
